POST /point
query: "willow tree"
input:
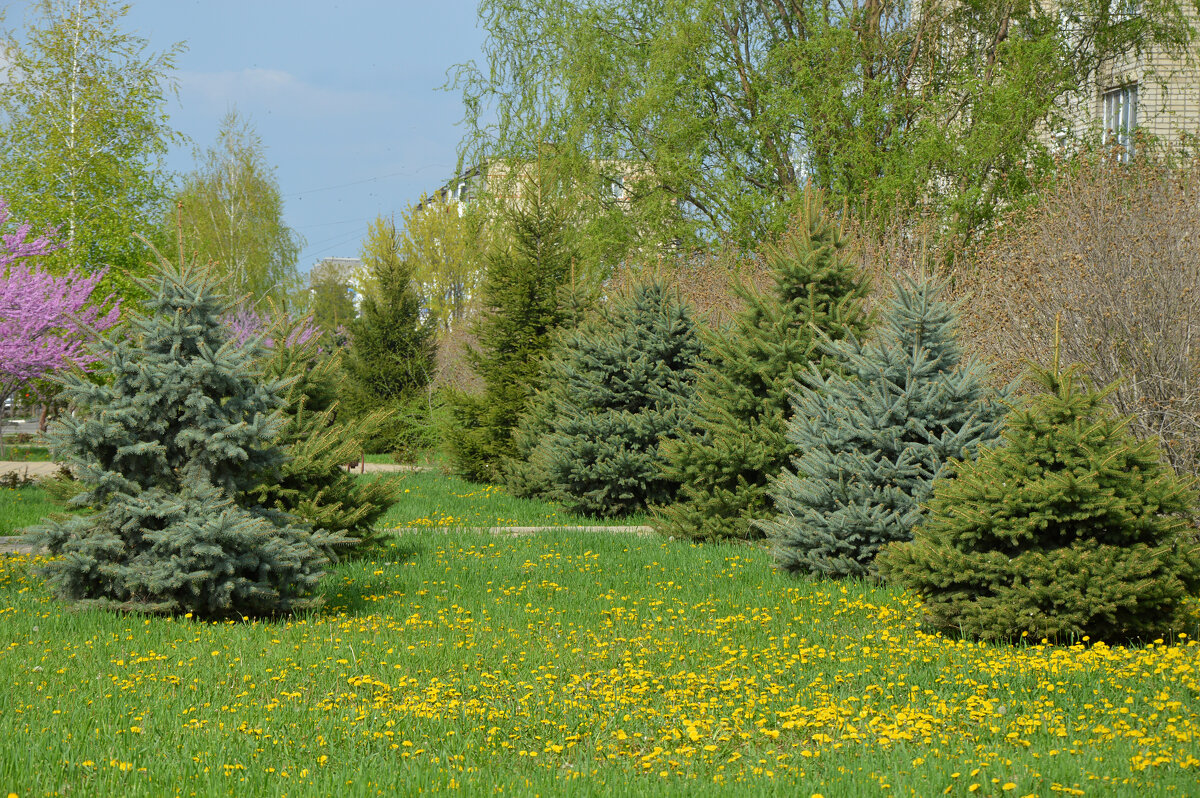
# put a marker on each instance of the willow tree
(730, 107)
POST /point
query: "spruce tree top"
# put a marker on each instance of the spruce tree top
(522, 291)
(184, 403)
(1069, 527)
(817, 295)
(391, 349)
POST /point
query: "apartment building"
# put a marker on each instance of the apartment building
(1153, 91)
(506, 181)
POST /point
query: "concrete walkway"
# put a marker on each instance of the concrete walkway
(380, 468)
(13, 545)
(36, 469)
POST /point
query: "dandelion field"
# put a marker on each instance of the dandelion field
(567, 663)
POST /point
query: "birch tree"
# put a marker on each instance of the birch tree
(83, 133)
(232, 215)
(446, 250)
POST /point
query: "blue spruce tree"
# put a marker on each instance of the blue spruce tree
(166, 447)
(873, 439)
(618, 385)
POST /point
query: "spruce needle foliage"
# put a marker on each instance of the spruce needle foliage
(1069, 528)
(617, 387)
(166, 449)
(391, 356)
(874, 439)
(521, 312)
(739, 440)
(313, 483)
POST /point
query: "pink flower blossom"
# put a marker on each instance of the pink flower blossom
(45, 320)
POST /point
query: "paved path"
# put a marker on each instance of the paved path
(35, 469)
(377, 468)
(13, 545)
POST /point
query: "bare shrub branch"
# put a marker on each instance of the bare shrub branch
(1115, 249)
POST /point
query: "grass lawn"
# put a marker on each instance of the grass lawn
(577, 664)
(21, 507)
(25, 453)
(435, 501)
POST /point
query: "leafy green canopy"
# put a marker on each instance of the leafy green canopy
(873, 440)
(727, 107)
(1069, 527)
(521, 310)
(616, 388)
(446, 248)
(167, 449)
(231, 211)
(739, 442)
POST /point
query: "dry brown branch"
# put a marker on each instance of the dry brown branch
(1115, 249)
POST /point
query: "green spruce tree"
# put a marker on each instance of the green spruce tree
(521, 312)
(617, 387)
(390, 361)
(167, 449)
(313, 483)
(739, 443)
(873, 440)
(523, 475)
(1069, 527)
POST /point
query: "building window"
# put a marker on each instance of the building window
(1120, 117)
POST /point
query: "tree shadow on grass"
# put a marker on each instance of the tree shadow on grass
(371, 581)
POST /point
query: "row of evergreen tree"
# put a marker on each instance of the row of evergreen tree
(859, 445)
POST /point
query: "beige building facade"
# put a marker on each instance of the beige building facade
(1155, 92)
(507, 181)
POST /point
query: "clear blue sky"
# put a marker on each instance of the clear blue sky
(345, 96)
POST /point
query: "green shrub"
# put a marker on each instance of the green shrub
(1069, 528)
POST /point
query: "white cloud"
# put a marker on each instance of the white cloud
(273, 91)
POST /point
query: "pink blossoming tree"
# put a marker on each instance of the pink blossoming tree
(45, 320)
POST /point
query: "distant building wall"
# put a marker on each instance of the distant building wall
(1157, 92)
